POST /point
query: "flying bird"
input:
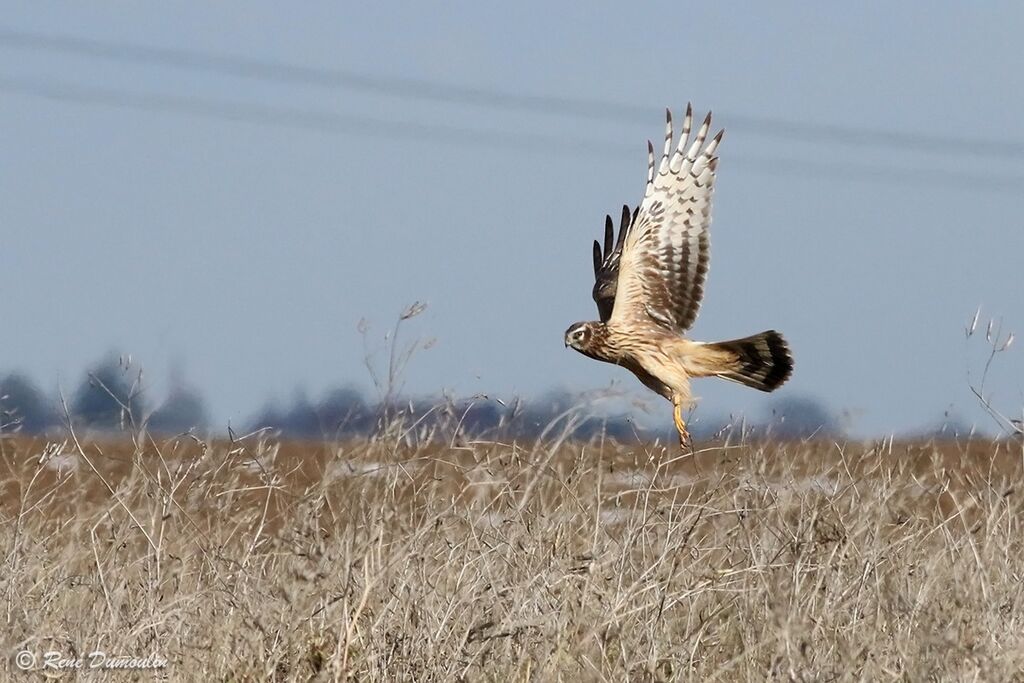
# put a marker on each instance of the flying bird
(649, 282)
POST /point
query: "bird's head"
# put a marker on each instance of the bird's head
(581, 336)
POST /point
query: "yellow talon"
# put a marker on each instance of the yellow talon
(684, 435)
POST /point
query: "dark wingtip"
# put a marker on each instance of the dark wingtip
(597, 258)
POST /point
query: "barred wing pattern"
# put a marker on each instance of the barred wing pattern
(665, 255)
(606, 263)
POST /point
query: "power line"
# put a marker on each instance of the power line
(347, 124)
(426, 90)
(302, 119)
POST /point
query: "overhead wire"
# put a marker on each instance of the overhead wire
(452, 93)
(465, 136)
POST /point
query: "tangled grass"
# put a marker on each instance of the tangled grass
(257, 560)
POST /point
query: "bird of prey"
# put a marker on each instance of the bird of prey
(650, 280)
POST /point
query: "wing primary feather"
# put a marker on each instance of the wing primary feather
(715, 142)
(597, 259)
(707, 173)
(650, 168)
(684, 139)
(709, 153)
(663, 169)
(623, 227)
(698, 142)
(609, 236)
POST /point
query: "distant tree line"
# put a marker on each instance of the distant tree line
(111, 396)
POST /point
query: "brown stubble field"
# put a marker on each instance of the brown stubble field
(555, 560)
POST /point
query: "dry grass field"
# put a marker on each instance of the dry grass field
(383, 560)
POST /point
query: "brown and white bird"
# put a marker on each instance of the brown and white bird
(649, 284)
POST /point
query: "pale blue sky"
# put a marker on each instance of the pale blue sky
(247, 253)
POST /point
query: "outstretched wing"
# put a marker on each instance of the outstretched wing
(665, 255)
(606, 263)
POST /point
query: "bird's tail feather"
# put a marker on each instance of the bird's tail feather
(762, 361)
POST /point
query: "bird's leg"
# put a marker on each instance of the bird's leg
(677, 417)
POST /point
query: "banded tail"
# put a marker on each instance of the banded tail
(763, 361)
